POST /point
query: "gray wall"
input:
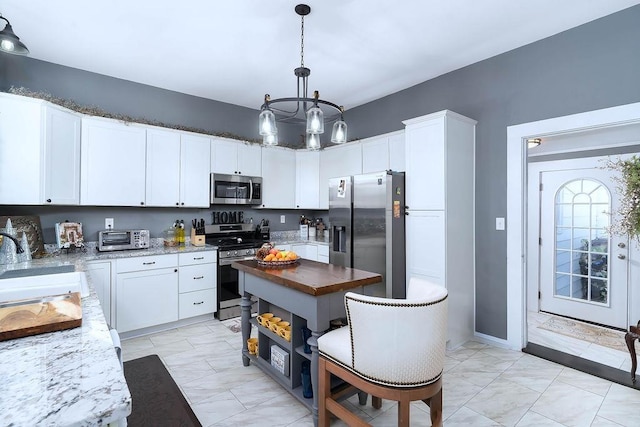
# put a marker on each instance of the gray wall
(590, 67)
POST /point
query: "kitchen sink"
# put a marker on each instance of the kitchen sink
(38, 282)
(36, 271)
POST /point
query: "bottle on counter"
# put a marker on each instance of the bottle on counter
(181, 237)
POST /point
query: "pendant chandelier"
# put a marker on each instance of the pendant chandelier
(301, 108)
(9, 42)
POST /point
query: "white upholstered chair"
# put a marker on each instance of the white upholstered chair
(391, 349)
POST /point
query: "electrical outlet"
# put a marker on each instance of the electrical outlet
(281, 219)
(108, 223)
(499, 223)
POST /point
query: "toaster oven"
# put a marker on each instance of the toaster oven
(120, 240)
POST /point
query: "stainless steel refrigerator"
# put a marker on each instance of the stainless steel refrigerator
(366, 216)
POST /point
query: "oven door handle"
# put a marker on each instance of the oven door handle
(222, 262)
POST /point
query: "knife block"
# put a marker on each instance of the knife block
(197, 239)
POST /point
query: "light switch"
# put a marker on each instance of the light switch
(499, 223)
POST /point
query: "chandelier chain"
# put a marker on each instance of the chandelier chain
(302, 43)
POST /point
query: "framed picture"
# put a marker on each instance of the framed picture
(30, 225)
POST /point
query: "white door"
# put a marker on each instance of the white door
(584, 269)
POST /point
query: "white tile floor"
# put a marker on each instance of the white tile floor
(483, 386)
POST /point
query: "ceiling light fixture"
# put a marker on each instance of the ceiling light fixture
(301, 108)
(533, 142)
(9, 42)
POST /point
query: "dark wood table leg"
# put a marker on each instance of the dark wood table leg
(629, 338)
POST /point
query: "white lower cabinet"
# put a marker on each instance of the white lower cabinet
(197, 284)
(146, 298)
(323, 254)
(311, 251)
(99, 273)
(153, 290)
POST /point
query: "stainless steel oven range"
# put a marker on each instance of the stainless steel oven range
(235, 242)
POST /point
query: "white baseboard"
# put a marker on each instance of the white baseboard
(498, 342)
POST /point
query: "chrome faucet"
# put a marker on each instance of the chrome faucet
(19, 249)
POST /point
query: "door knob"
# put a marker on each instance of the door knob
(621, 245)
(621, 256)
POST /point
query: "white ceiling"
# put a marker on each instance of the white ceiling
(236, 51)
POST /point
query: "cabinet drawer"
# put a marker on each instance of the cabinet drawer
(197, 277)
(143, 263)
(324, 259)
(197, 303)
(198, 257)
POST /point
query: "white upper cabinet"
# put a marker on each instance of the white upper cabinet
(343, 160)
(279, 178)
(194, 170)
(425, 157)
(397, 152)
(383, 152)
(163, 168)
(61, 156)
(375, 154)
(235, 158)
(177, 169)
(113, 157)
(307, 179)
(39, 152)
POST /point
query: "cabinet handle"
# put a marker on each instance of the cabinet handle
(141, 203)
(148, 263)
(48, 200)
(198, 303)
(197, 258)
(177, 204)
(198, 278)
(175, 270)
(182, 203)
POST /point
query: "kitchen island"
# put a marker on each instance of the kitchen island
(307, 294)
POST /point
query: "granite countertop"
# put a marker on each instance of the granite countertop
(71, 377)
(311, 277)
(65, 378)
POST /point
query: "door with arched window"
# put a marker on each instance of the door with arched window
(583, 268)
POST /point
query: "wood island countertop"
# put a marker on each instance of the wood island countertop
(311, 277)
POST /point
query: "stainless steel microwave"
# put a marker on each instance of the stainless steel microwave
(236, 189)
(120, 240)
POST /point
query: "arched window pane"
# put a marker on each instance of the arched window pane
(582, 241)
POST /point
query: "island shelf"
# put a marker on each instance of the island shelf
(308, 294)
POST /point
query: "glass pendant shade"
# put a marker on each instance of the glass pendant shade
(270, 139)
(11, 43)
(267, 123)
(339, 132)
(315, 120)
(313, 141)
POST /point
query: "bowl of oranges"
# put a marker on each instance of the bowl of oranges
(270, 256)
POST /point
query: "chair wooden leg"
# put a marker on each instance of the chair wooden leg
(324, 392)
(403, 413)
(435, 408)
(376, 402)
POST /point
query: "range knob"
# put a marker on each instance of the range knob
(228, 253)
(235, 253)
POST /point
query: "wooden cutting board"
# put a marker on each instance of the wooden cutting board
(37, 316)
